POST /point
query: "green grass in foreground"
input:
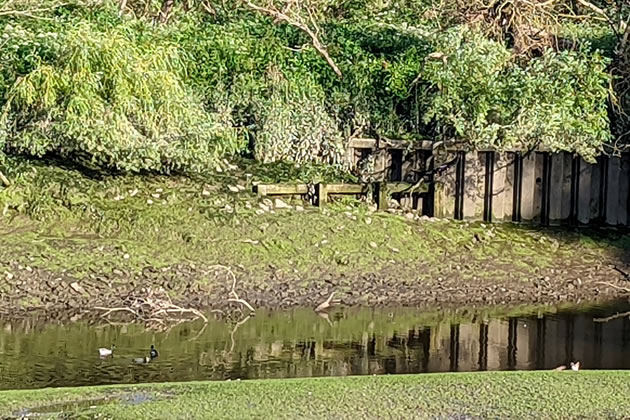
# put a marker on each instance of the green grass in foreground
(536, 395)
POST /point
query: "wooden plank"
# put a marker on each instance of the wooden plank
(539, 160)
(365, 143)
(474, 176)
(281, 189)
(410, 162)
(624, 174)
(508, 201)
(346, 189)
(382, 196)
(528, 187)
(567, 175)
(322, 194)
(444, 195)
(555, 189)
(612, 194)
(499, 178)
(584, 192)
(596, 191)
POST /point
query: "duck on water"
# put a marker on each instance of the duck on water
(104, 352)
(153, 353)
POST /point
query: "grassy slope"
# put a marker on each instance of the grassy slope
(536, 395)
(70, 225)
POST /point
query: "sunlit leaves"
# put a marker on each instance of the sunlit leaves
(111, 101)
(557, 101)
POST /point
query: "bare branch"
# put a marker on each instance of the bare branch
(5, 181)
(327, 303)
(295, 21)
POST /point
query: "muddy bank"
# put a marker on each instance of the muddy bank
(27, 290)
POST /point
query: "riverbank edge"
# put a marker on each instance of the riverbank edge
(71, 243)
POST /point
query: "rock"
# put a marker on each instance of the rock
(233, 189)
(126, 256)
(8, 275)
(373, 245)
(149, 201)
(77, 288)
(263, 207)
(267, 202)
(260, 212)
(240, 187)
(205, 193)
(368, 221)
(279, 204)
(409, 216)
(156, 196)
(299, 208)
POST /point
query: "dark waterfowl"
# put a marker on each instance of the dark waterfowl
(153, 352)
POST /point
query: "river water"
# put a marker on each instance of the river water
(300, 343)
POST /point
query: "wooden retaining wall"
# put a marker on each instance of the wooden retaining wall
(539, 187)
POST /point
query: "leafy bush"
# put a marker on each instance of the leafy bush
(483, 97)
(112, 101)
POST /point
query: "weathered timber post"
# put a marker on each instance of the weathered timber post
(322, 194)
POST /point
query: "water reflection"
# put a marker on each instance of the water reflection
(301, 343)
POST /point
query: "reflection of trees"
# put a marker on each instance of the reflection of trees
(285, 346)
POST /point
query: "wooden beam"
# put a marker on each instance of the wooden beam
(346, 188)
(322, 194)
(281, 189)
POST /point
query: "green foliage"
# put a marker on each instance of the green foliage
(123, 94)
(485, 98)
(112, 101)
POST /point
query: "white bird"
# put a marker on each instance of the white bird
(103, 352)
(575, 366)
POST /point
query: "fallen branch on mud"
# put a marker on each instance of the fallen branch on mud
(155, 307)
(152, 306)
(234, 296)
(623, 289)
(327, 303)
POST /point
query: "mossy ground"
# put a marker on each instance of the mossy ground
(60, 225)
(523, 395)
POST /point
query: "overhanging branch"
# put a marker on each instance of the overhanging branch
(282, 16)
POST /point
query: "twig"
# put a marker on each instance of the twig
(624, 289)
(625, 275)
(235, 298)
(326, 304)
(111, 310)
(5, 181)
(610, 318)
(243, 302)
